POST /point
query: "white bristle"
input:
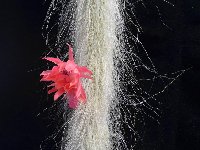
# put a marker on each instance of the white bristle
(96, 42)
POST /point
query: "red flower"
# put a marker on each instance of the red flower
(66, 79)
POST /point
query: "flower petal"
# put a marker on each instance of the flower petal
(45, 72)
(74, 79)
(58, 94)
(54, 60)
(70, 65)
(86, 76)
(73, 103)
(71, 58)
(52, 90)
(82, 96)
(84, 69)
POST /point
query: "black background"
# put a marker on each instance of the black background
(22, 45)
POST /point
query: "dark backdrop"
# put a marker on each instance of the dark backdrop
(21, 47)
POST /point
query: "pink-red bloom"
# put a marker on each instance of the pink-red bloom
(66, 79)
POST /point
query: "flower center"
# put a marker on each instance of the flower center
(65, 72)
